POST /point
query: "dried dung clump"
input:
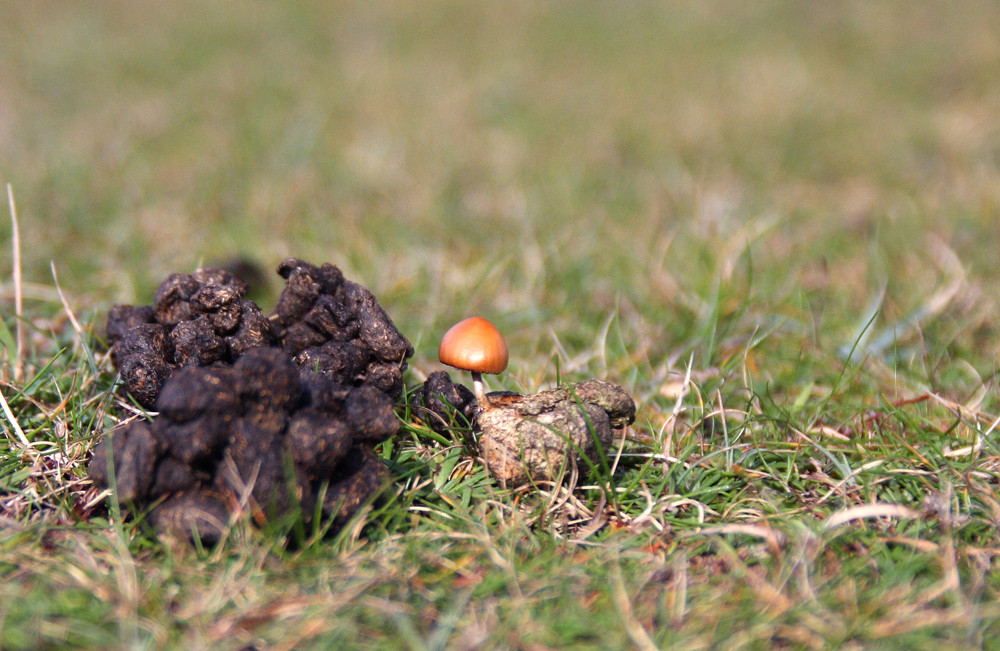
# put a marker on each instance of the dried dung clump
(262, 435)
(336, 328)
(326, 323)
(540, 436)
(197, 319)
(256, 412)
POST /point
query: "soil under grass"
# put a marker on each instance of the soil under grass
(772, 224)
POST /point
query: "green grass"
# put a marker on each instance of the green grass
(774, 224)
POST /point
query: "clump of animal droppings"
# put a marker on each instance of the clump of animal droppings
(326, 323)
(336, 328)
(443, 404)
(263, 436)
(197, 319)
(546, 435)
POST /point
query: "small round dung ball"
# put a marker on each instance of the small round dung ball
(385, 377)
(195, 343)
(131, 452)
(304, 284)
(322, 393)
(368, 413)
(443, 404)
(181, 297)
(201, 512)
(371, 415)
(122, 318)
(173, 475)
(192, 392)
(356, 480)
(253, 330)
(195, 442)
(172, 300)
(267, 379)
(142, 359)
(317, 442)
(335, 359)
(219, 305)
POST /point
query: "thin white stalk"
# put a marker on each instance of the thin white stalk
(18, 294)
(13, 422)
(477, 387)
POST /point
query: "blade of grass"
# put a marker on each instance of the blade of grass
(18, 292)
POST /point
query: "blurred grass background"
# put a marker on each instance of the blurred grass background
(541, 163)
(625, 188)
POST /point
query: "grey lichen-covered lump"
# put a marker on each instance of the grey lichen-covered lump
(540, 436)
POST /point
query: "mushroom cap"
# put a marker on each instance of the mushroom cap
(475, 345)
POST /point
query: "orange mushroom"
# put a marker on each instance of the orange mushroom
(477, 346)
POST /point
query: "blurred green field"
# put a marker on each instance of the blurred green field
(630, 190)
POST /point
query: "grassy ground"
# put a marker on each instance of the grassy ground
(773, 223)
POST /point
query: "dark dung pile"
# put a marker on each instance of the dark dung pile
(262, 436)
(256, 412)
(325, 322)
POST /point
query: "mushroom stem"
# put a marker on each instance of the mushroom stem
(477, 387)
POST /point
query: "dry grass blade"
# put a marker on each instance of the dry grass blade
(14, 425)
(623, 604)
(62, 297)
(774, 539)
(18, 291)
(866, 511)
